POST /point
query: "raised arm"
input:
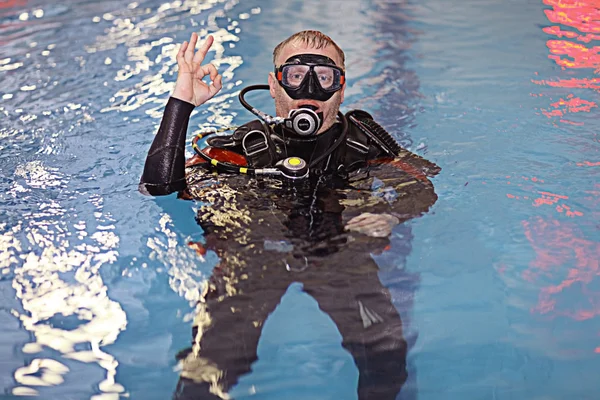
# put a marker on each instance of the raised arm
(164, 170)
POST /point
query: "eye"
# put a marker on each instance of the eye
(325, 80)
(294, 75)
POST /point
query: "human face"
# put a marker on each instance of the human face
(310, 76)
(284, 103)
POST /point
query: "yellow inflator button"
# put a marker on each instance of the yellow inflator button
(294, 161)
(293, 167)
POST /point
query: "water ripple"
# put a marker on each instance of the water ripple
(58, 242)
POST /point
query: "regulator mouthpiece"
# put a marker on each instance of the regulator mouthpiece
(304, 121)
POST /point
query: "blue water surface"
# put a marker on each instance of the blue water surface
(98, 285)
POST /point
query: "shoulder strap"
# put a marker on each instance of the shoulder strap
(366, 140)
(375, 132)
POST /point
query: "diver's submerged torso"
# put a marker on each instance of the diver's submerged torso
(266, 219)
(250, 215)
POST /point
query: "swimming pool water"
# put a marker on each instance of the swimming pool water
(98, 285)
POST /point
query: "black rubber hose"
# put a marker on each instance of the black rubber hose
(249, 89)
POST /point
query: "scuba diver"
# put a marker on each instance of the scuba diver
(305, 196)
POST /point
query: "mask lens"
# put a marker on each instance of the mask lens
(328, 78)
(293, 75)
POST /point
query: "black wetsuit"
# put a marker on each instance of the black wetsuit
(268, 235)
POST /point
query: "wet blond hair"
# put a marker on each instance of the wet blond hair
(314, 39)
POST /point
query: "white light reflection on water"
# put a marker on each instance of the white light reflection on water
(149, 72)
(184, 276)
(144, 57)
(57, 281)
(55, 250)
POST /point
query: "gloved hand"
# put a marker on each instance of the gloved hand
(374, 225)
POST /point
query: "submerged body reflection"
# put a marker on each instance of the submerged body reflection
(272, 236)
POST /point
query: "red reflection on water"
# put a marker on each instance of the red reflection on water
(572, 104)
(592, 83)
(581, 14)
(543, 198)
(581, 56)
(575, 104)
(566, 263)
(580, 20)
(556, 244)
(12, 3)
(588, 164)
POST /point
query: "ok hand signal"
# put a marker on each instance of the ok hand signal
(189, 86)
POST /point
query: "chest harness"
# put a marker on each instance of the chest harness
(290, 148)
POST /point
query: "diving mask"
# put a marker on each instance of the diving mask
(310, 76)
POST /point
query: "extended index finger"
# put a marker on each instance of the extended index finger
(199, 56)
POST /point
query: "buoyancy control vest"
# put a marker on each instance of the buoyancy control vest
(264, 145)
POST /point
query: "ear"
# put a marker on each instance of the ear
(342, 93)
(272, 84)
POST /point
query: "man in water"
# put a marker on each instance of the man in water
(320, 230)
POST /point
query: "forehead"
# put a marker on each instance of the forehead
(297, 47)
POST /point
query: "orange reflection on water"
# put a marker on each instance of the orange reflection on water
(592, 83)
(566, 264)
(580, 20)
(588, 164)
(556, 244)
(571, 104)
(581, 14)
(545, 198)
(581, 56)
(555, 30)
(12, 3)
